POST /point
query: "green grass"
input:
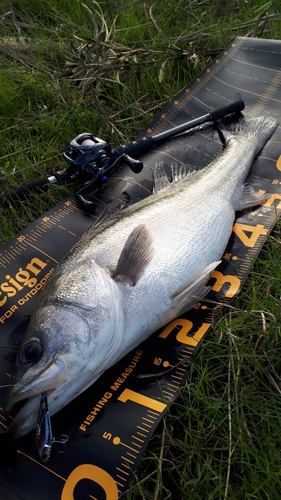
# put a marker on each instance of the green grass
(68, 67)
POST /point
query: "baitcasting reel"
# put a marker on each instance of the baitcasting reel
(93, 158)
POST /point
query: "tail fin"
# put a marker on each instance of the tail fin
(256, 129)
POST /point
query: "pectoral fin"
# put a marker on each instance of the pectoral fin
(194, 291)
(135, 256)
(250, 197)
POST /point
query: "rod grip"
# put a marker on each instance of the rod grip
(22, 192)
(234, 107)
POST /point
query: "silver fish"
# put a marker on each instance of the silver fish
(132, 274)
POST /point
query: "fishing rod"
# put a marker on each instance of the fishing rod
(93, 158)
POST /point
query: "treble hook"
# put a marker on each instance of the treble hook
(63, 441)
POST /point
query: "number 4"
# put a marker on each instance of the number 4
(256, 232)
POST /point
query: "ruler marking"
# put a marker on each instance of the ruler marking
(136, 444)
(147, 419)
(254, 65)
(131, 455)
(179, 368)
(119, 484)
(147, 425)
(138, 439)
(16, 251)
(126, 465)
(154, 416)
(172, 385)
(153, 413)
(172, 389)
(120, 477)
(122, 471)
(141, 434)
(168, 394)
(44, 253)
(142, 429)
(23, 247)
(127, 459)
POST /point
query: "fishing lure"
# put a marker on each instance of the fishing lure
(44, 435)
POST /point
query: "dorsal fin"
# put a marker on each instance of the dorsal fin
(160, 178)
(180, 171)
(136, 254)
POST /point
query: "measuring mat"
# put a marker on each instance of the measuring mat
(109, 425)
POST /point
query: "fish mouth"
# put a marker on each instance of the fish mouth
(24, 398)
(25, 411)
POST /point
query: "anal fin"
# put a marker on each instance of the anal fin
(250, 197)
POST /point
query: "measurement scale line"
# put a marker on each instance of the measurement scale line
(122, 471)
(147, 419)
(147, 425)
(260, 96)
(127, 459)
(179, 368)
(12, 255)
(42, 465)
(156, 413)
(142, 429)
(255, 65)
(141, 434)
(136, 444)
(171, 389)
(23, 247)
(185, 362)
(153, 416)
(44, 253)
(16, 251)
(138, 439)
(129, 447)
(176, 387)
(66, 212)
(47, 224)
(168, 394)
(119, 484)
(5, 260)
(133, 456)
(125, 465)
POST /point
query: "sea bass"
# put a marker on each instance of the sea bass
(132, 274)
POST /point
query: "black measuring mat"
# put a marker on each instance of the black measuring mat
(110, 424)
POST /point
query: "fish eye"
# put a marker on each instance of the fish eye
(30, 352)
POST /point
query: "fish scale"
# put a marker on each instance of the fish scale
(131, 275)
